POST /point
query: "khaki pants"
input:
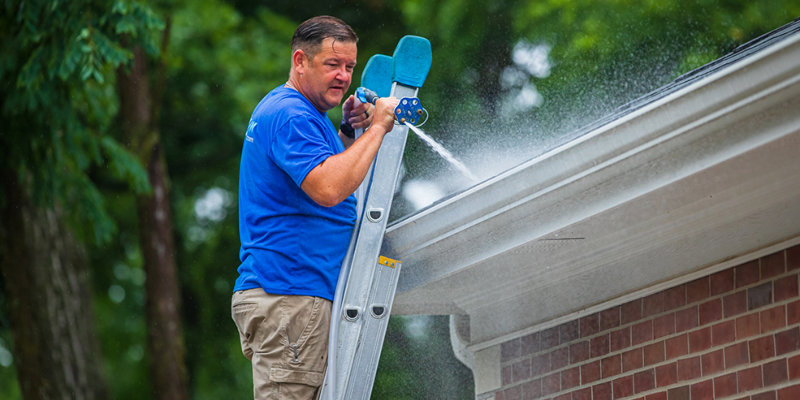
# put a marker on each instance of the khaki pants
(286, 340)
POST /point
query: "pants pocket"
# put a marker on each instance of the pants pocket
(240, 314)
(307, 326)
(285, 375)
(258, 333)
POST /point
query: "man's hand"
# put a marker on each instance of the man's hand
(384, 112)
(358, 116)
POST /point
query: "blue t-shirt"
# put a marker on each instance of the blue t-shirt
(290, 244)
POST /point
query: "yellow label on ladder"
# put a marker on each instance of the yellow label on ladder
(388, 261)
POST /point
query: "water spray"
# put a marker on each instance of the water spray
(408, 112)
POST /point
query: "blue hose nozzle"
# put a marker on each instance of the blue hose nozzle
(408, 110)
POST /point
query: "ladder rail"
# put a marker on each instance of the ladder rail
(361, 338)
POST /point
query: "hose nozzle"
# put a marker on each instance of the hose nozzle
(408, 110)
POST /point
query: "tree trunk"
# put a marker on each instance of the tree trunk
(165, 342)
(56, 351)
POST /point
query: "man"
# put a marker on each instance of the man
(297, 209)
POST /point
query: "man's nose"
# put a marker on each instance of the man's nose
(344, 74)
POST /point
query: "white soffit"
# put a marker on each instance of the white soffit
(707, 172)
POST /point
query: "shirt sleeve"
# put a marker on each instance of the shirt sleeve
(299, 147)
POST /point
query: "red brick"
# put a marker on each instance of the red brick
(590, 372)
(710, 311)
(678, 393)
(703, 390)
(759, 296)
(687, 318)
(568, 331)
(688, 368)
(773, 319)
(559, 358)
(620, 339)
(725, 385)
(532, 389)
(540, 364)
(641, 332)
(787, 341)
(734, 304)
(677, 346)
(644, 381)
(654, 353)
(521, 370)
(793, 313)
(771, 395)
(736, 354)
(722, 282)
(632, 359)
(653, 304)
(789, 393)
(510, 350)
(697, 290)
(530, 344)
(570, 378)
(590, 325)
(749, 379)
(664, 325)
(775, 372)
(761, 348)
(631, 311)
(794, 367)
(793, 258)
(512, 393)
(505, 374)
(600, 345)
(723, 333)
(565, 396)
(699, 340)
(657, 396)
(713, 362)
(549, 338)
(666, 374)
(582, 394)
(786, 288)
(747, 326)
(611, 366)
(579, 352)
(675, 297)
(623, 387)
(773, 265)
(746, 274)
(602, 391)
(551, 384)
(609, 319)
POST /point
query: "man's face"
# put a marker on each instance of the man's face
(325, 78)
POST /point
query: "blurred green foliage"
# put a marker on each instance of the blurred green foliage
(59, 102)
(59, 114)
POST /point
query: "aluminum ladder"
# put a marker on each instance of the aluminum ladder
(368, 281)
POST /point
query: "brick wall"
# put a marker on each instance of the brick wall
(734, 334)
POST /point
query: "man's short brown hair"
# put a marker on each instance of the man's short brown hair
(309, 35)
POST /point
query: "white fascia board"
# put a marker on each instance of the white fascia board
(748, 105)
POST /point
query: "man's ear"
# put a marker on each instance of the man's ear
(299, 61)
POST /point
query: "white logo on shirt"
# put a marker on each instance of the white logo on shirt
(248, 136)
